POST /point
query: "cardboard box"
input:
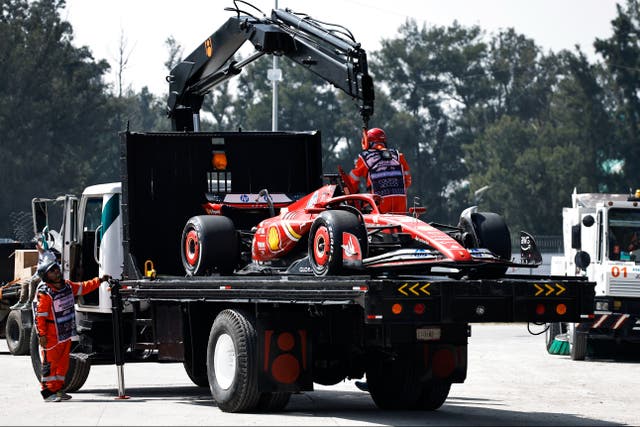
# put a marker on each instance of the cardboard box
(23, 259)
(26, 273)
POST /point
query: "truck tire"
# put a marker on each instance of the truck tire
(232, 364)
(209, 243)
(550, 334)
(433, 396)
(325, 240)
(393, 383)
(79, 365)
(578, 345)
(16, 334)
(3, 325)
(493, 234)
(273, 402)
(199, 380)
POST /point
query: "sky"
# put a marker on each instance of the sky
(144, 25)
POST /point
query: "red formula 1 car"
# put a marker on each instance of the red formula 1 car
(330, 233)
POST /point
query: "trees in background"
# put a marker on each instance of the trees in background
(468, 109)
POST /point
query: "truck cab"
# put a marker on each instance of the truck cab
(89, 238)
(601, 234)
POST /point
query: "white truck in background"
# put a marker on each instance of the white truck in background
(601, 235)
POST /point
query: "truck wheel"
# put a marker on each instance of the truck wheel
(199, 380)
(393, 383)
(209, 243)
(433, 396)
(3, 325)
(578, 345)
(325, 240)
(232, 364)
(273, 402)
(79, 365)
(16, 334)
(550, 334)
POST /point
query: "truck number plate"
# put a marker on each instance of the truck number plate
(428, 334)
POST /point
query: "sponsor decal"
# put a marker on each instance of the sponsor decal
(274, 239)
(244, 198)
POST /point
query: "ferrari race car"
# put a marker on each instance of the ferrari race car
(328, 232)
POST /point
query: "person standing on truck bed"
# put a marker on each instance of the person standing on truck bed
(386, 171)
(55, 322)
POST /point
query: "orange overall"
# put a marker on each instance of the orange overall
(55, 320)
(388, 176)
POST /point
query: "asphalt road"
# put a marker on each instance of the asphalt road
(511, 381)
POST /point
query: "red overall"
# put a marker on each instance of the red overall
(55, 320)
(387, 175)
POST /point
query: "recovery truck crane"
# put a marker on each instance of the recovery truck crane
(254, 339)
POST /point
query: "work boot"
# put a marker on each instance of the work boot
(63, 396)
(53, 398)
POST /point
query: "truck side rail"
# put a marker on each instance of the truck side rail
(411, 299)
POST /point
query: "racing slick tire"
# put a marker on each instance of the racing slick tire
(16, 334)
(493, 234)
(325, 240)
(79, 365)
(232, 364)
(209, 243)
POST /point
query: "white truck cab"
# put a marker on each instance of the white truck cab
(89, 238)
(601, 234)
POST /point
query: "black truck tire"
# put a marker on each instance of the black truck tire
(79, 366)
(393, 383)
(433, 395)
(325, 240)
(232, 364)
(550, 334)
(199, 380)
(16, 334)
(209, 243)
(273, 402)
(578, 346)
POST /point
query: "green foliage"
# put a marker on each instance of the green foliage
(53, 107)
(621, 52)
(467, 109)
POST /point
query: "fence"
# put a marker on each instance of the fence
(545, 243)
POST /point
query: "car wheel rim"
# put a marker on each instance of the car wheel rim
(192, 248)
(321, 246)
(224, 361)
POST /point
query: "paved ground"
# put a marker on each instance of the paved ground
(511, 381)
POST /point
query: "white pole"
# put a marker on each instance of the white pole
(275, 77)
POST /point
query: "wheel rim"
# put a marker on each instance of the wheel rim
(192, 248)
(321, 246)
(224, 361)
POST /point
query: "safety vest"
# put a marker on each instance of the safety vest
(62, 305)
(385, 171)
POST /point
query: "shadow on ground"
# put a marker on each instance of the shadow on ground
(358, 407)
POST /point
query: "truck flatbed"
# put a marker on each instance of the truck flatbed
(511, 298)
